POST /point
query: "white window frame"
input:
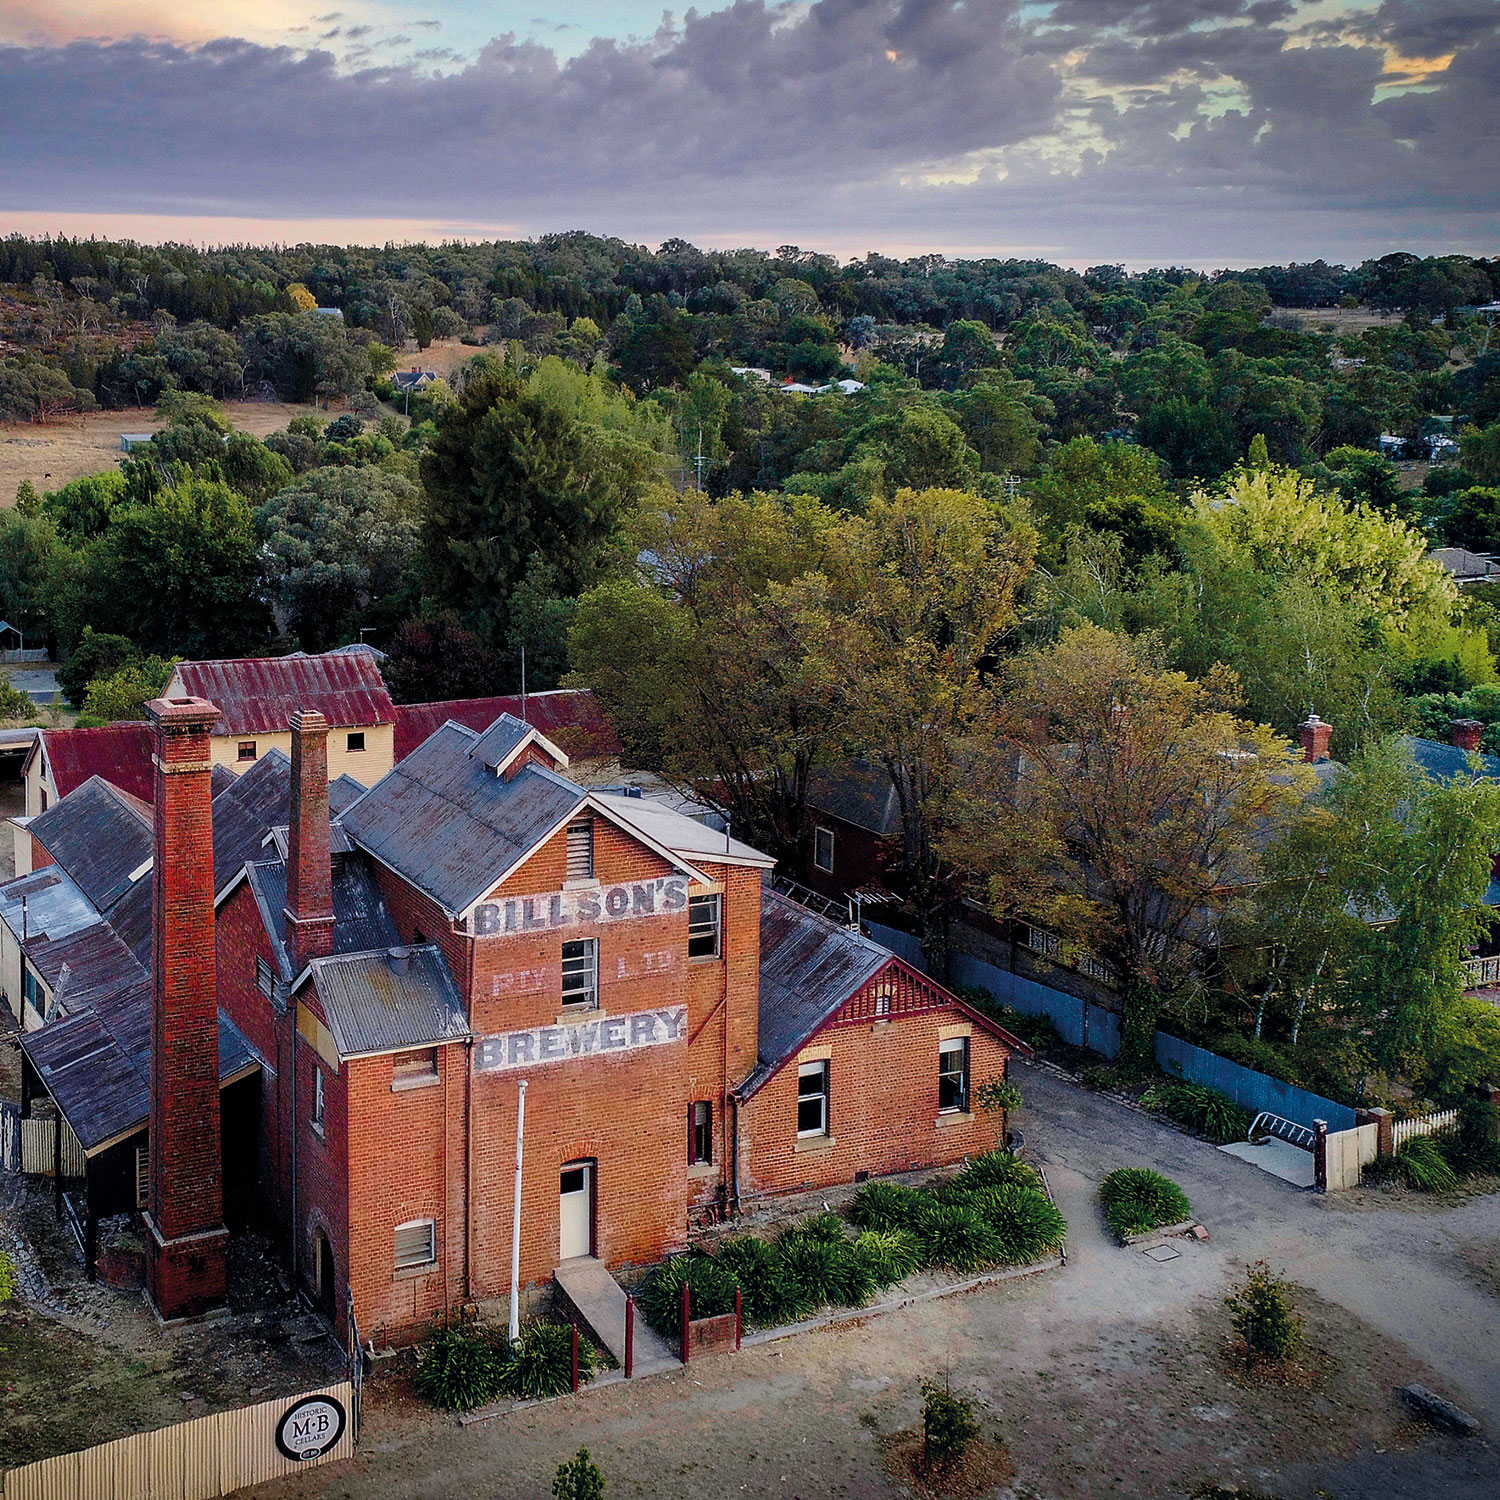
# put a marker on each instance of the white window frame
(580, 850)
(714, 928)
(823, 838)
(416, 1257)
(350, 748)
(954, 1046)
(585, 963)
(820, 1071)
(320, 1099)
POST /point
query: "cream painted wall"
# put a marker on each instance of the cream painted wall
(366, 766)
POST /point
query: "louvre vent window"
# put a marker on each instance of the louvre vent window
(581, 849)
(416, 1244)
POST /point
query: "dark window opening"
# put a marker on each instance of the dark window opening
(703, 927)
(700, 1133)
(823, 849)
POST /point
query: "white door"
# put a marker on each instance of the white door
(575, 1212)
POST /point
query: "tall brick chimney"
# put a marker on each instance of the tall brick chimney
(309, 872)
(1314, 734)
(1464, 734)
(186, 1264)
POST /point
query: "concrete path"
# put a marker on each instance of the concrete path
(1280, 1158)
(600, 1302)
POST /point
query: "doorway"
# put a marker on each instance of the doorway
(575, 1205)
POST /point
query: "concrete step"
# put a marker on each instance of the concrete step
(600, 1301)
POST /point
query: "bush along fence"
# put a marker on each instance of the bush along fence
(1082, 1024)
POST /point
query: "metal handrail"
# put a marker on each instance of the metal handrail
(1282, 1129)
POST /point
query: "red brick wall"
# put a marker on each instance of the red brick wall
(860, 858)
(40, 859)
(883, 1110)
(322, 1162)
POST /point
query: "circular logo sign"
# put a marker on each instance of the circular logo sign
(310, 1428)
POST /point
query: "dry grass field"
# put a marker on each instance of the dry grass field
(49, 454)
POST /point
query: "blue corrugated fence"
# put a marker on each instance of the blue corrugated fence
(1083, 1025)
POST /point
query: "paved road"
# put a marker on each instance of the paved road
(1102, 1378)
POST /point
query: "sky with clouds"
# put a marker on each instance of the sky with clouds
(1211, 132)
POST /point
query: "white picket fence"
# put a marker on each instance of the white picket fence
(1404, 1130)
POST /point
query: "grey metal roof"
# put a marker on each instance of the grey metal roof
(338, 840)
(100, 836)
(360, 920)
(1447, 762)
(500, 741)
(342, 790)
(247, 811)
(449, 825)
(389, 1000)
(684, 836)
(45, 904)
(809, 967)
(859, 793)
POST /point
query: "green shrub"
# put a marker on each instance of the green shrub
(994, 1168)
(812, 1268)
(578, 1478)
(540, 1362)
(767, 1297)
(660, 1295)
(1473, 1146)
(891, 1254)
(1026, 1222)
(884, 1205)
(1035, 1031)
(826, 1227)
(1423, 1165)
(948, 1425)
(460, 1369)
(1205, 1111)
(7, 1277)
(1262, 1314)
(956, 1236)
(1136, 1200)
(853, 1275)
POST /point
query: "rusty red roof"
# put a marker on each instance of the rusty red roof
(569, 717)
(120, 753)
(258, 695)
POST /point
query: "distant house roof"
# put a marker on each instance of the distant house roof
(569, 717)
(1463, 566)
(389, 1000)
(858, 793)
(1444, 762)
(411, 380)
(258, 695)
(120, 753)
(810, 968)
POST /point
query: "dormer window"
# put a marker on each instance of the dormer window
(581, 849)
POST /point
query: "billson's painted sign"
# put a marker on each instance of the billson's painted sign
(561, 909)
(599, 1036)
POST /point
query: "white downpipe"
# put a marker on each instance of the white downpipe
(514, 1327)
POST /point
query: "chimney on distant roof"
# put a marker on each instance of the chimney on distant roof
(309, 865)
(1314, 734)
(1464, 734)
(187, 1268)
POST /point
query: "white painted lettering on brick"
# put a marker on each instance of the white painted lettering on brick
(537, 1045)
(551, 912)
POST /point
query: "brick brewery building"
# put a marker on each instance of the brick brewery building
(329, 1015)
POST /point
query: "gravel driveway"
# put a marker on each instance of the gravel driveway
(1107, 1377)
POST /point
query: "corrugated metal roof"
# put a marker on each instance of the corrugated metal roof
(452, 827)
(569, 717)
(120, 753)
(683, 835)
(258, 695)
(495, 747)
(360, 920)
(245, 813)
(809, 967)
(371, 1007)
(99, 835)
(342, 790)
(46, 904)
(860, 794)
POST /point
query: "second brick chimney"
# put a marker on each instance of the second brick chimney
(1465, 734)
(1314, 734)
(309, 869)
(187, 1268)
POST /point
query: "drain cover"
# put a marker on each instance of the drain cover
(1162, 1252)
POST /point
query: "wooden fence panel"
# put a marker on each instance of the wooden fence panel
(1348, 1152)
(203, 1459)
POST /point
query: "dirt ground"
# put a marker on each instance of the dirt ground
(82, 1363)
(1109, 1377)
(1342, 319)
(49, 454)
